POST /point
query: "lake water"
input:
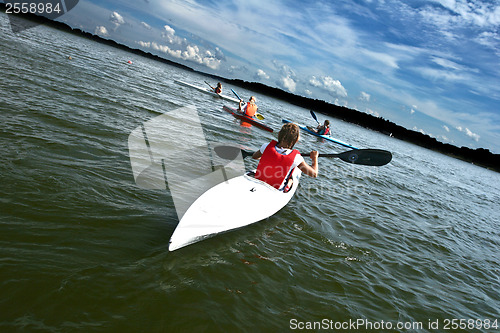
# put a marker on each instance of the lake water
(404, 247)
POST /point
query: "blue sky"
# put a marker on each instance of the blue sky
(429, 65)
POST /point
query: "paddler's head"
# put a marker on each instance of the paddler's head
(252, 99)
(327, 123)
(288, 135)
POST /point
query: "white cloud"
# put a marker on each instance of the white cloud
(116, 19)
(329, 84)
(490, 39)
(284, 70)
(373, 113)
(443, 74)
(145, 25)
(364, 96)
(469, 133)
(472, 135)
(219, 54)
(101, 31)
(288, 79)
(481, 14)
(288, 83)
(446, 128)
(315, 82)
(179, 48)
(334, 86)
(169, 34)
(169, 31)
(416, 129)
(448, 64)
(383, 58)
(261, 74)
(445, 138)
(192, 53)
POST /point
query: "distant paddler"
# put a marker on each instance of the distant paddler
(321, 129)
(217, 89)
(250, 108)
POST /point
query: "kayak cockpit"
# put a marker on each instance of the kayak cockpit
(289, 184)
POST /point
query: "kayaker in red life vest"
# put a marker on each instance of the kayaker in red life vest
(250, 109)
(321, 129)
(279, 159)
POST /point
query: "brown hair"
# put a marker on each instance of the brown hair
(288, 135)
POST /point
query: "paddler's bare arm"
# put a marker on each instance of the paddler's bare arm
(257, 155)
(311, 171)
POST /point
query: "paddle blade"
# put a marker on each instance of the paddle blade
(230, 152)
(374, 157)
(259, 116)
(314, 115)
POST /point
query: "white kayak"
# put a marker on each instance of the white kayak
(207, 90)
(232, 204)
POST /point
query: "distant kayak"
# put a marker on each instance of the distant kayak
(207, 90)
(247, 119)
(326, 137)
(225, 207)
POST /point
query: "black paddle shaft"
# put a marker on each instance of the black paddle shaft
(373, 157)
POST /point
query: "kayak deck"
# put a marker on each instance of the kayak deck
(326, 137)
(207, 90)
(247, 119)
(230, 205)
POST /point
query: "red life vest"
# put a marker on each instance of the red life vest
(251, 109)
(218, 90)
(326, 131)
(274, 167)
